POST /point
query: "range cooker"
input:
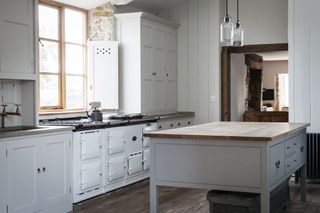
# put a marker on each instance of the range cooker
(83, 123)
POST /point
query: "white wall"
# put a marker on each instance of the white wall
(270, 70)
(264, 21)
(198, 58)
(304, 74)
(238, 73)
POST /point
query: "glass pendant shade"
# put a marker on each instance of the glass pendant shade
(238, 35)
(227, 32)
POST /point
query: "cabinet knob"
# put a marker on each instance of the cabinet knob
(44, 169)
(189, 122)
(134, 138)
(277, 164)
(301, 149)
(288, 147)
(160, 127)
(167, 74)
(179, 124)
(171, 125)
(39, 170)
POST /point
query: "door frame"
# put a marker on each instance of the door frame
(226, 70)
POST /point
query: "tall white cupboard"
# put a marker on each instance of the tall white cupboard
(148, 63)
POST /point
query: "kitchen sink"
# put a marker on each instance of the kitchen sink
(20, 128)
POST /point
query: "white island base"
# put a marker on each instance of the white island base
(241, 162)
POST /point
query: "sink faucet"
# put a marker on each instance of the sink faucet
(5, 113)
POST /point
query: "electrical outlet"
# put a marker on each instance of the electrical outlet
(213, 99)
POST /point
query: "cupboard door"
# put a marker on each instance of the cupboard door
(116, 168)
(3, 194)
(91, 175)
(135, 163)
(90, 145)
(56, 169)
(16, 45)
(276, 163)
(24, 174)
(19, 11)
(170, 95)
(116, 141)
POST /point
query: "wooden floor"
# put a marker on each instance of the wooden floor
(135, 199)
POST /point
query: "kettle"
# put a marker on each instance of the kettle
(95, 114)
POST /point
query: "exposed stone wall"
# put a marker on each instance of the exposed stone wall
(101, 23)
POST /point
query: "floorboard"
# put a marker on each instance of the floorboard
(135, 199)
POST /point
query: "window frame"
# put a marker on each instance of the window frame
(62, 74)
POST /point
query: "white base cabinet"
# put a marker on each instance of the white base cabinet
(39, 174)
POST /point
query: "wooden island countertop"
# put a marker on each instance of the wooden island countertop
(250, 131)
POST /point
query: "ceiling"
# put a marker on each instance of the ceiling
(85, 4)
(145, 5)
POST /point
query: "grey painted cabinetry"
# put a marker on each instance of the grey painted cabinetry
(17, 39)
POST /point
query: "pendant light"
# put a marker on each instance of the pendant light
(226, 30)
(238, 31)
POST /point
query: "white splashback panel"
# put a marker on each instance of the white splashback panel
(10, 94)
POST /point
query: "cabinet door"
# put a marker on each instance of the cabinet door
(90, 145)
(17, 37)
(133, 138)
(56, 169)
(170, 96)
(24, 174)
(3, 172)
(276, 162)
(116, 168)
(116, 141)
(135, 163)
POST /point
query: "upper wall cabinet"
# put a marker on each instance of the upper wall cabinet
(17, 39)
(148, 64)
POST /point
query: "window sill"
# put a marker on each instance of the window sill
(67, 114)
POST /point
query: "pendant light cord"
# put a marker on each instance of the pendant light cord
(227, 9)
(237, 10)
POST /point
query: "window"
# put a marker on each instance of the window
(62, 57)
(282, 84)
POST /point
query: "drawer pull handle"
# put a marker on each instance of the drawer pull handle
(171, 125)
(179, 124)
(295, 161)
(277, 164)
(44, 169)
(288, 166)
(189, 122)
(302, 148)
(134, 138)
(288, 147)
(39, 170)
(295, 144)
(160, 127)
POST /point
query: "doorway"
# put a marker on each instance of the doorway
(227, 88)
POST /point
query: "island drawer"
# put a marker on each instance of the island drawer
(291, 163)
(291, 146)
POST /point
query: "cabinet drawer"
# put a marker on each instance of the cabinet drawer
(276, 163)
(290, 146)
(291, 163)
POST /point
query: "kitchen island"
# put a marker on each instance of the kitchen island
(231, 156)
